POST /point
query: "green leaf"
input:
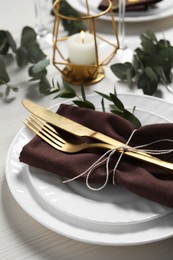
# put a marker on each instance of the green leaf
(38, 75)
(167, 53)
(28, 37)
(84, 104)
(6, 42)
(151, 35)
(148, 44)
(44, 86)
(11, 41)
(103, 105)
(69, 89)
(83, 93)
(128, 116)
(65, 94)
(21, 56)
(122, 69)
(40, 66)
(103, 95)
(148, 82)
(119, 69)
(35, 54)
(4, 77)
(151, 74)
(129, 77)
(132, 118)
(117, 102)
(4, 45)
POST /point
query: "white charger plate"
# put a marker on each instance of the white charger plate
(161, 10)
(108, 206)
(154, 228)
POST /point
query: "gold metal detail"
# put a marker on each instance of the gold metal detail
(85, 74)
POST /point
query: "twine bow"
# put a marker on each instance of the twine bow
(106, 157)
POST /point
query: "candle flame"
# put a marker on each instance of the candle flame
(82, 35)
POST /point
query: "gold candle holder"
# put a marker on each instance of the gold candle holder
(86, 73)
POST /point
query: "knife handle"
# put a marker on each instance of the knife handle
(135, 154)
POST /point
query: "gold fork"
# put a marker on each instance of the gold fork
(52, 137)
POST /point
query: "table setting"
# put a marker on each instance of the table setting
(86, 118)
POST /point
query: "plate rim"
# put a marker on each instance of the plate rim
(140, 18)
(102, 241)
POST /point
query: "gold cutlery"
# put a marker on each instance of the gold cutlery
(51, 136)
(69, 125)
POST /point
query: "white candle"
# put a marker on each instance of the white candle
(81, 48)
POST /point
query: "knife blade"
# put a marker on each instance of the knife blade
(81, 130)
(67, 124)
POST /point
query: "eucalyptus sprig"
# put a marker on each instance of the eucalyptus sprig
(28, 53)
(115, 104)
(151, 65)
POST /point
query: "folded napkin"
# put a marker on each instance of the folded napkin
(144, 179)
(140, 6)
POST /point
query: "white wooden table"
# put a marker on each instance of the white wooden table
(21, 237)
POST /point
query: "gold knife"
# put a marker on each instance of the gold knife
(80, 130)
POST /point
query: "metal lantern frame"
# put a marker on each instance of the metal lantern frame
(78, 74)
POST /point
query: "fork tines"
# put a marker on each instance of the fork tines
(44, 130)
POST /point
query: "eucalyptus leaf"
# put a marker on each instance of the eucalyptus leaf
(35, 54)
(148, 43)
(152, 64)
(44, 86)
(28, 37)
(21, 56)
(4, 77)
(6, 42)
(122, 69)
(119, 69)
(147, 84)
(151, 74)
(129, 77)
(150, 35)
(4, 45)
(40, 66)
(37, 75)
(11, 41)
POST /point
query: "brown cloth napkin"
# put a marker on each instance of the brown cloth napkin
(141, 6)
(144, 179)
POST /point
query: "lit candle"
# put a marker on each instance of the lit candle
(81, 48)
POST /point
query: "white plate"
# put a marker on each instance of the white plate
(162, 10)
(89, 231)
(108, 206)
